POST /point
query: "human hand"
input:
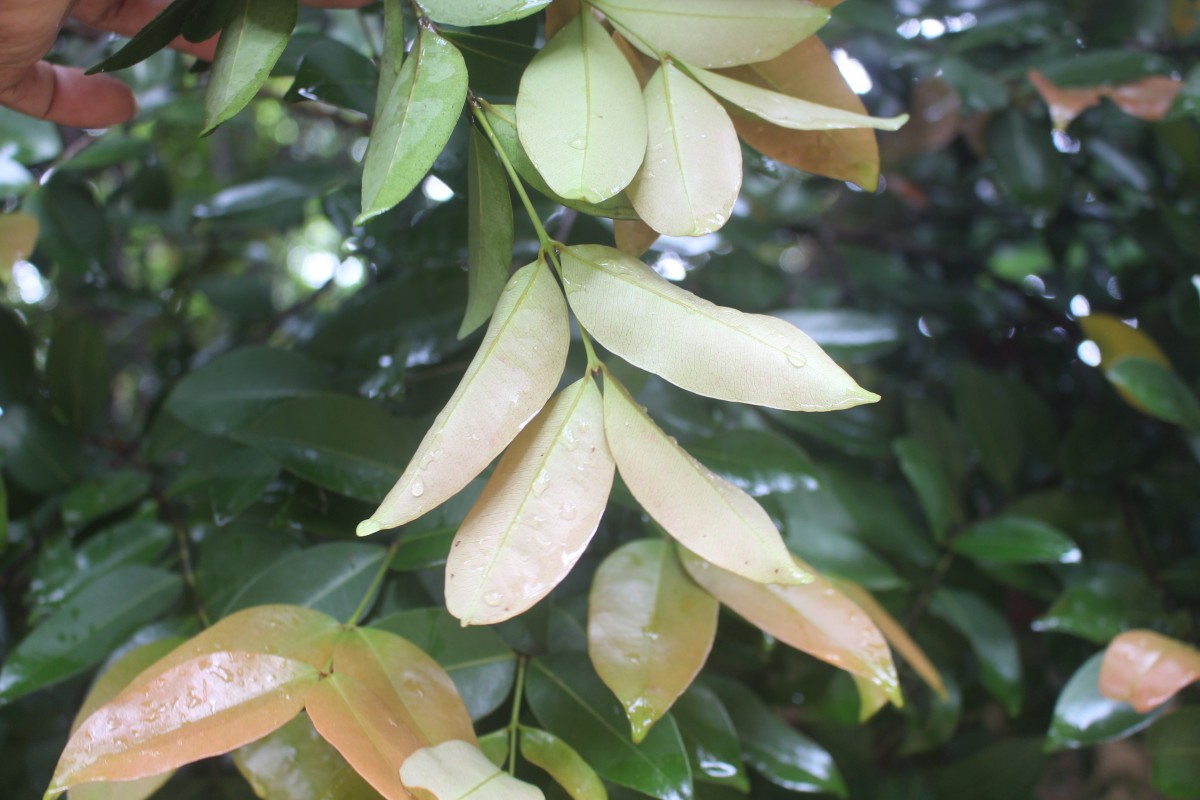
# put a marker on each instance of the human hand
(66, 95)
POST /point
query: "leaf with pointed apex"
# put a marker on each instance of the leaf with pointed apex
(295, 762)
(202, 707)
(567, 767)
(808, 72)
(537, 513)
(414, 124)
(1155, 390)
(157, 34)
(650, 629)
(489, 232)
(511, 377)
(481, 12)
(711, 739)
(251, 42)
(579, 113)
(692, 171)
(696, 345)
(714, 33)
(705, 512)
(1013, 539)
(460, 771)
(815, 617)
(1146, 669)
(1084, 716)
(990, 638)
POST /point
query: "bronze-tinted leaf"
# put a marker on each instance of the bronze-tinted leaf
(537, 513)
(1145, 669)
(650, 629)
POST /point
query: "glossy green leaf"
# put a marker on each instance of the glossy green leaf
(233, 389)
(991, 640)
(295, 762)
(706, 513)
(90, 501)
(690, 341)
(787, 111)
(579, 114)
(1173, 743)
(78, 372)
(489, 232)
(391, 62)
(757, 462)
(246, 547)
(537, 513)
(84, 630)
(200, 708)
(1103, 606)
(1083, 716)
(503, 120)
(1157, 390)
(693, 162)
(712, 33)
(156, 35)
(1013, 539)
(567, 767)
(337, 74)
(775, 750)
(205, 19)
(650, 629)
(345, 444)
(479, 662)
(251, 42)
(330, 578)
(711, 740)
(225, 478)
(519, 362)
(571, 702)
(415, 122)
(457, 770)
(935, 487)
(484, 12)
(138, 541)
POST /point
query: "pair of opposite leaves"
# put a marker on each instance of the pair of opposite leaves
(390, 710)
(544, 501)
(592, 131)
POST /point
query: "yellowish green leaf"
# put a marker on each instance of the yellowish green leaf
(579, 115)
(566, 766)
(633, 236)
(202, 707)
(294, 762)
(18, 237)
(650, 629)
(511, 377)
(537, 512)
(714, 33)
(459, 771)
(703, 511)
(489, 232)
(251, 42)
(480, 12)
(1117, 339)
(693, 167)
(704, 348)
(1146, 669)
(871, 697)
(814, 617)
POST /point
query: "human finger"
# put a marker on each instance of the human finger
(66, 96)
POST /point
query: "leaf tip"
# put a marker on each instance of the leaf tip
(893, 123)
(368, 527)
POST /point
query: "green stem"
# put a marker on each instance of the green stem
(544, 239)
(514, 720)
(365, 603)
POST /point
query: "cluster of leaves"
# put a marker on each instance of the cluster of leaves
(190, 434)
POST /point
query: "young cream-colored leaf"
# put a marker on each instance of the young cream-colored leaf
(633, 236)
(202, 707)
(511, 377)
(567, 767)
(814, 617)
(459, 771)
(489, 232)
(704, 348)
(650, 629)
(579, 115)
(787, 111)
(295, 763)
(415, 122)
(1146, 669)
(537, 513)
(692, 172)
(703, 511)
(251, 42)
(808, 71)
(714, 33)
(480, 12)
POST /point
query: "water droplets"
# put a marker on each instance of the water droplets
(418, 487)
(541, 483)
(578, 143)
(795, 357)
(493, 599)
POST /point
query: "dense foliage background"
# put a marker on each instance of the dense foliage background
(209, 375)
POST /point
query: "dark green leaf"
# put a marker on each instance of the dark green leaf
(711, 740)
(225, 478)
(1174, 744)
(480, 663)
(933, 484)
(1003, 771)
(255, 200)
(84, 631)
(115, 490)
(1103, 606)
(331, 578)
(758, 462)
(775, 750)
(989, 417)
(571, 702)
(159, 33)
(494, 65)
(1157, 390)
(78, 372)
(205, 19)
(1013, 539)
(489, 232)
(75, 231)
(1084, 717)
(345, 444)
(1028, 168)
(991, 640)
(38, 453)
(16, 358)
(251, 43)
(426, 541)
(230, 557)
(335, 73)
